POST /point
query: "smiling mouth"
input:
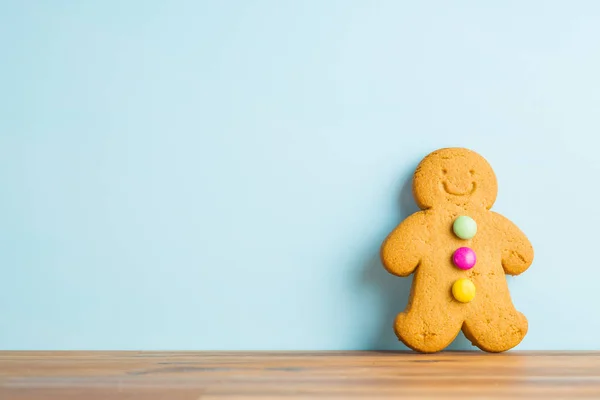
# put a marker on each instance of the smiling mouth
(457, 193)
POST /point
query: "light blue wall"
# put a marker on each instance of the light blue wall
(220, 175)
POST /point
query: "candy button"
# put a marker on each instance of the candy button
(463, 290)
(464, 258)
(464, 227)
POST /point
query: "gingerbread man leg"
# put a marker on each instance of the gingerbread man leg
(496, 330)
(426, 332)
(428, 325)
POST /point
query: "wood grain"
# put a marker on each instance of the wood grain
(298, 375)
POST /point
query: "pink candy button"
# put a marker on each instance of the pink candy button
(464, 258)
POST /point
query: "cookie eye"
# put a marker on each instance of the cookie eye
(472, 172)
(444, 171)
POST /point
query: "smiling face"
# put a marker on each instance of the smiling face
(455, 175)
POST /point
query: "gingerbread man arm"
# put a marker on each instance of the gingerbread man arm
(517, 251)
(402, 250)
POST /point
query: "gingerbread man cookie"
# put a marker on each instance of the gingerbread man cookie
(459, 252)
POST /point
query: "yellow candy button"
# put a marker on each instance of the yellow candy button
(463, 290)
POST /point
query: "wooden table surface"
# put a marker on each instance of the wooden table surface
(298, 375)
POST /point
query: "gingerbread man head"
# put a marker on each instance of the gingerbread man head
(454, 175)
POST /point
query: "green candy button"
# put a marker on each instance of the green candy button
(464, 227)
